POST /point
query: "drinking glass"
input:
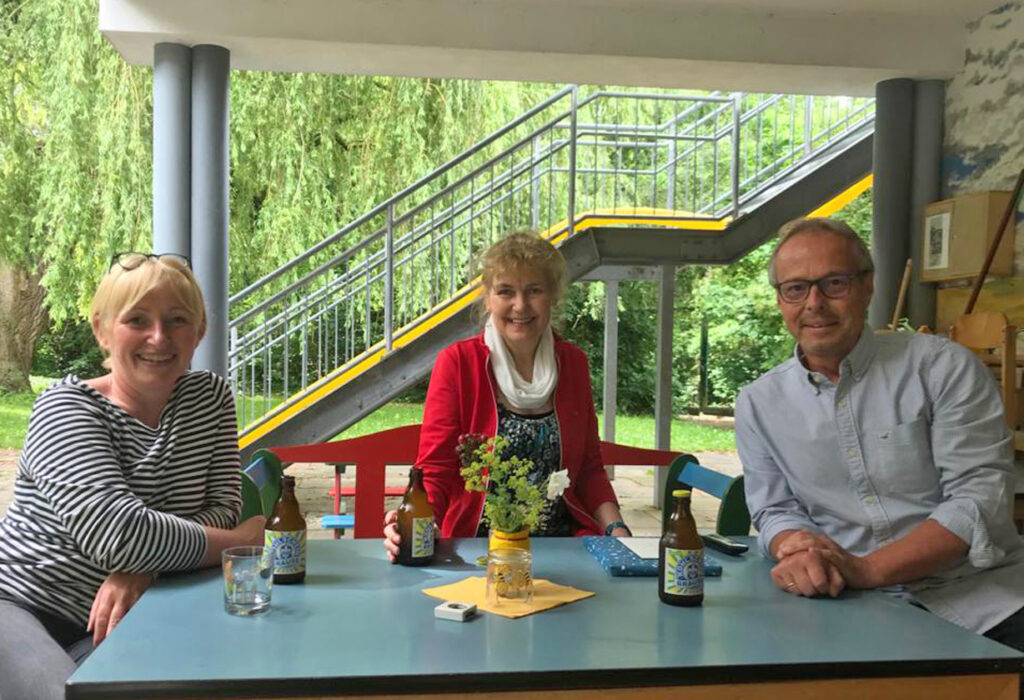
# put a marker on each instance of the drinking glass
(509, 576)
(248, 579)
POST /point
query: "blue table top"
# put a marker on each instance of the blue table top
(361, 625)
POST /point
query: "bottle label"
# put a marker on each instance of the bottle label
(289, 550)
(422, 537)
(684, 571)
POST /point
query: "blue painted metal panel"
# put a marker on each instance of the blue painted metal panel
(704, 479)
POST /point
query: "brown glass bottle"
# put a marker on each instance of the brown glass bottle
(286, 533)
(681, 556)
(415, 523)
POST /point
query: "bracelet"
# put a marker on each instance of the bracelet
(614, 526)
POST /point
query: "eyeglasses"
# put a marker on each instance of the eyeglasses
(132, 260)
(832, 286)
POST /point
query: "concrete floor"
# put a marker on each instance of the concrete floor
(633, 485)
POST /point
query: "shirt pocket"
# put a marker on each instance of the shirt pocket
(901, 459)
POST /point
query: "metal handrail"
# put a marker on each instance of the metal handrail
(550, 168)
(404, 193)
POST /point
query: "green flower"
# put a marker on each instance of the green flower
(513, 503)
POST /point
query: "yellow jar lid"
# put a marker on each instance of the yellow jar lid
(681, 493)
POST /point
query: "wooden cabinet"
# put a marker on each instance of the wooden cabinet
(957, 234)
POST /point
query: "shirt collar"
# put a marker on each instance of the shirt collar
(855, 364)
(859, 359)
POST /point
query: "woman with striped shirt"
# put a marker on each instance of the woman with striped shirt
(121, 477)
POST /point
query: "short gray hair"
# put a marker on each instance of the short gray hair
(822, 225)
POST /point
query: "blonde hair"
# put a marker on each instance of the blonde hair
(121, 289)
(521, 251)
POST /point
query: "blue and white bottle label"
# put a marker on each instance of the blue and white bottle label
(422, 537)
(289, 550)
(684, 571)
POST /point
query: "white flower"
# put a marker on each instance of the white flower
(557, 483)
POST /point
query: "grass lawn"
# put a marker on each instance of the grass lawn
(687, 436)
(14, 412)
(637, 431)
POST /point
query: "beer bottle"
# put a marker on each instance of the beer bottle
(415, 523)
(681, 556)
(285, 533)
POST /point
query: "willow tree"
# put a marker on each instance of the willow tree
(309, 153)
(75, 180)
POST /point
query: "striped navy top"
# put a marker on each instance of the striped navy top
(98, 491)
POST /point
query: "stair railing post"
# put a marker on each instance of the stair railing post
(670, 194)
(233, 355)
(737, 106)
(535, 184)
(808, 117)
(572, 159)
(389, 273)
(304, 330)
(287, 353)
(702, 387)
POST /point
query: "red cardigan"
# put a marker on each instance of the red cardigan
(461, 399)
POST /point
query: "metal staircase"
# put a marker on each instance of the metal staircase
(612, 177)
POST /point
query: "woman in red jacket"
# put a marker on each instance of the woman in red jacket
(519, 380)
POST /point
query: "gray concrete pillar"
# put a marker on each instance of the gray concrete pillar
(925, 187)
(611, 362)
(892, 156)
(172, 119)
(211, 93)
(663, 378)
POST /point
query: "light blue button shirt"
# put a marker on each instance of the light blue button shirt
(913, 430)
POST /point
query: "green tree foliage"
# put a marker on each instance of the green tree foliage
(308, 154)
(746, 336)
(74, 154)
(80, 134)
(68, 348)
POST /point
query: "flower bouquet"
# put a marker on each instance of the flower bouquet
(514, 503)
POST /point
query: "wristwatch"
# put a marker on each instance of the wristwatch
(614, 526)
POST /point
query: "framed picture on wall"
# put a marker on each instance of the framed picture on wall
(957, 233)
(937, 226)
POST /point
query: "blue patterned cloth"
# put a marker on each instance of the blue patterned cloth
(538, 439)
(619, 560)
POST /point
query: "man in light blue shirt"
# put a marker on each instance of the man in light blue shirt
(878, 461)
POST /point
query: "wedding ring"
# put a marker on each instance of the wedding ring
(791, 584)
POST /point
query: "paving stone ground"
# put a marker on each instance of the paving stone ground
(633, 485)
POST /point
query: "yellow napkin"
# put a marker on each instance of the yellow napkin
(546, 595)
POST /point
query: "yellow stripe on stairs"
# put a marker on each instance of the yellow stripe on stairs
(466, 295)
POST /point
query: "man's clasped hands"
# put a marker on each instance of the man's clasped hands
(813, 565)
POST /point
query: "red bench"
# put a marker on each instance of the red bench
(371, 454)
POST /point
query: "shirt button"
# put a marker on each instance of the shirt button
(842, 403)
(851, 452)
(871, 500)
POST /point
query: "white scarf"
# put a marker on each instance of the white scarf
(520, 393)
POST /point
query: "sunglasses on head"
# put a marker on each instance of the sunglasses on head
(132, 260)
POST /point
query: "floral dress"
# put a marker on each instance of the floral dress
(538, 439)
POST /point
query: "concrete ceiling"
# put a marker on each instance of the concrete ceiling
(789, 46)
